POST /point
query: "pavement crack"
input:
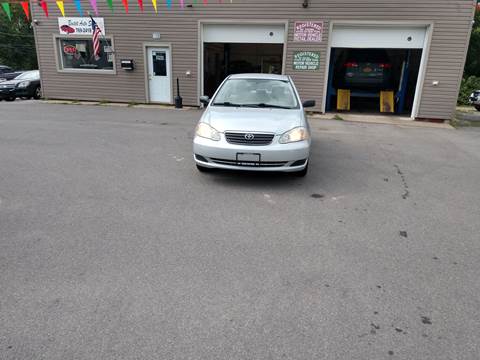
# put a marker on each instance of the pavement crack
(406, 192)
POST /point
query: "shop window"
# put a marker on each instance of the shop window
(78, 54)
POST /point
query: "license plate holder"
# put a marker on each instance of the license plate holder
(248, 159)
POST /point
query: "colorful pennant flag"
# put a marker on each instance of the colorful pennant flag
(44, 6)
(6, 8)
(169, 4)
(154, 3)
(110, 4)
(93, 4)
(78, 5)
(61, 7)
(182, 3)
(140, 4)
(125, 5)
(205, 2)
(26, 10)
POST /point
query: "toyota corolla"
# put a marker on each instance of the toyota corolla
(254, 122)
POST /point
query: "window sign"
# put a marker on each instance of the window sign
(308, 31)
(79, 25)
(306, 60)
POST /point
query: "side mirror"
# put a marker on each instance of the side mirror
(308, 103)
(204, 99)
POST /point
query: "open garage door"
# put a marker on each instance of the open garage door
(375, 68)
(233, 49)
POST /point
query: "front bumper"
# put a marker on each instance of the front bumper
(7, 93)
(273, 157)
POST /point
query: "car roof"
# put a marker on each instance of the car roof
(260, 76)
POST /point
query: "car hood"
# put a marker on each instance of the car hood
(253, 119)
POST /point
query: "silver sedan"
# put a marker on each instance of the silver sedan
(254, 122)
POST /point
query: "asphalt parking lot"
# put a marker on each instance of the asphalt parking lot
(113, 246)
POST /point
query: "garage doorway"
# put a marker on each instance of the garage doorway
(375, 69)
(221, 60)
(232, 49)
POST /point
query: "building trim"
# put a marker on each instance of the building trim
(59, 63)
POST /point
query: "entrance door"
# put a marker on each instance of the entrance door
(159, 75)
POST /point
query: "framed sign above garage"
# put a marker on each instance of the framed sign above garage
(308, 31)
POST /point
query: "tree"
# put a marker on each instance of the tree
(472, 66)
(17, 43)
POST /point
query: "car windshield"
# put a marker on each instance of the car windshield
(29, 75)
(266, 93)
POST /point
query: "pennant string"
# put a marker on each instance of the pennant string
(110, 4)
(44, 6)
(125, 5)
(93, 4)
(26, 10)
(78, 5)
(6, 8)
(61, 7)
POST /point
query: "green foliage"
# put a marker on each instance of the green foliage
(17, 44)
(468, 85)
(472, 66)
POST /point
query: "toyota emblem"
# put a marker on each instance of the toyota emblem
(249, 136)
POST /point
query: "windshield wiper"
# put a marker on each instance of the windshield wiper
(226, 103)
(263, 105)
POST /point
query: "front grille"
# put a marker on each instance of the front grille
(249, 163)
(245, 138)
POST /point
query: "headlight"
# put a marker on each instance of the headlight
(206, 131)
(23, 84)
(294, 135)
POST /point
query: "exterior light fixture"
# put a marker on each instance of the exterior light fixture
(305, 4)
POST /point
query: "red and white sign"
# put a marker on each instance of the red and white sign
(308, 31)
(69, 49)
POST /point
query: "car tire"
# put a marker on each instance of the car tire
(203, 169)
(301, 173)
(11, 98)
(477, 107)
(37, 93)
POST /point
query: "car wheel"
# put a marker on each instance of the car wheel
(203, 169)
(11, 98)
(301, 173)
(37, 93)
(477, 107)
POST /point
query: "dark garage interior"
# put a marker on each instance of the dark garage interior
(367, 72)
(223, 59)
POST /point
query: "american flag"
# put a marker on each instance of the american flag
(96, 32)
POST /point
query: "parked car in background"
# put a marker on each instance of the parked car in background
(10, 75)
(25, 85)
(475, 99)
(366, 69)
(254, 122)
(5, 69)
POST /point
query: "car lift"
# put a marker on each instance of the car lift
(387, 99)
